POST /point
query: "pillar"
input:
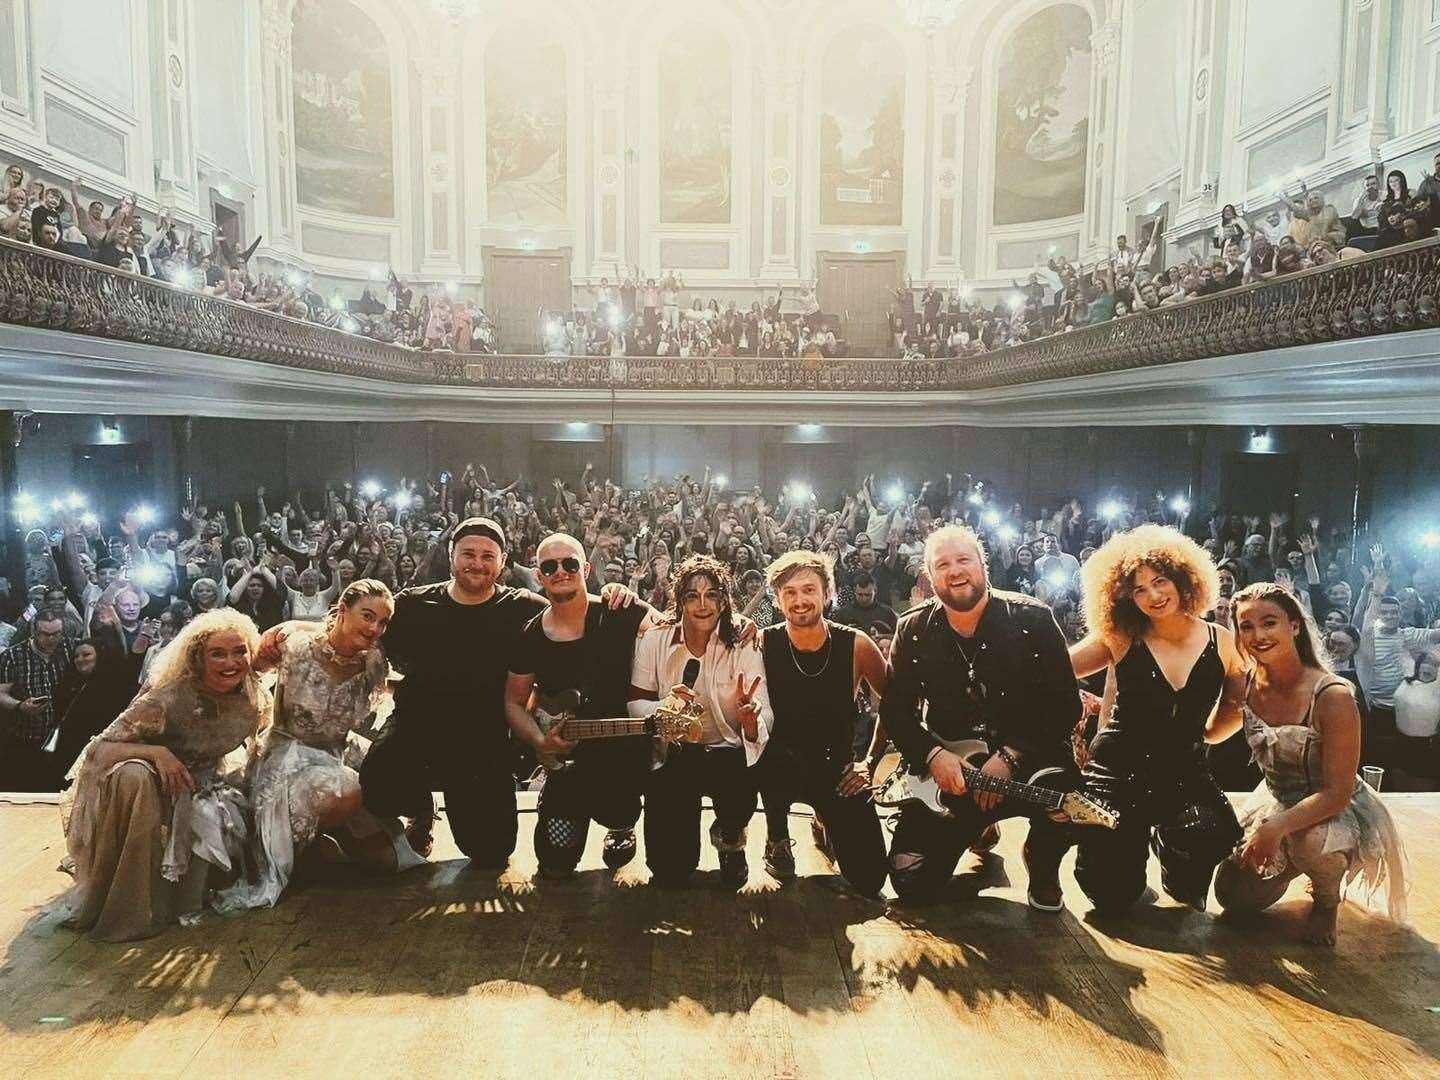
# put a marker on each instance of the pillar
(277, 101)
(1366, 445)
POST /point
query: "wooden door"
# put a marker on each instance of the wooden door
(518, 286)
(860, 290)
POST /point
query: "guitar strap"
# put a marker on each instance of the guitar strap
(593, 662)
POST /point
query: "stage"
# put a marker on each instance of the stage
(451, 972)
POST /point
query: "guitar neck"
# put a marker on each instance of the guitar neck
(606, 729)
(1013, 789)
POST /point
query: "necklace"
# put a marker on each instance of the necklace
(969, 663)
(795, 657)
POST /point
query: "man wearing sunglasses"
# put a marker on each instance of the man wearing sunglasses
(580, 643)
(976, 663)
(696, 653)
(452, 641)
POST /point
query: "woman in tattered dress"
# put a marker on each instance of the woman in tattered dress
(329, 679)
(157, 812)
(1312, 816)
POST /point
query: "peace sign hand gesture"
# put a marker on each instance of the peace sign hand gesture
(747, 709)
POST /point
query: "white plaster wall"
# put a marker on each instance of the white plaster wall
(1290, 48)
(1156, 109)
(87, 43)
(222, 87)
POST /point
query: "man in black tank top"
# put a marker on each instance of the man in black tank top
(813, 668)
(579, 644)
(976, 663)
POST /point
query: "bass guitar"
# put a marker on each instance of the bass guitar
(895, 785)
(676, 721)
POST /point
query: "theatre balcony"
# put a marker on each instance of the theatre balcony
(1354, 341)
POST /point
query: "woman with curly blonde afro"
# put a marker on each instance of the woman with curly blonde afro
(1177, 681)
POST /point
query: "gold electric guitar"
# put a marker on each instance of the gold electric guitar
(676, 721)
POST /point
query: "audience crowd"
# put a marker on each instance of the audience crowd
(637, 314)
(99, 604)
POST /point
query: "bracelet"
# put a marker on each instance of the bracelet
(1005, 755)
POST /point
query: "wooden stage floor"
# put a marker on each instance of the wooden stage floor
(451, 972)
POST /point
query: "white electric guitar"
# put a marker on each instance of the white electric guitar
(895, 785)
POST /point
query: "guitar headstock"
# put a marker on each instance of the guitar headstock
(678, 721)
(1083, 810)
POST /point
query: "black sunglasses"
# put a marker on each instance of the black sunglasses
(569, 562)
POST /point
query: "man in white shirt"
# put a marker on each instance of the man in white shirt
(1386, 653)
(696, 654)
(1058, 566)
(1366, 211)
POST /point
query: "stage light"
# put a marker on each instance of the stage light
(377, 273)
(991, 518)
(721, 481)
(56, 506)
(553, 326)
(895, 493)
(89, 520)
(1007, 533)
(1016, 302)
(452, 287)
(109, 430)
(1179, 505)
(295, 279)
(144, 514)
(809, 429)
(1260, 440)
(28, 513)
(371, 488)
(1430, 538)
(151, 577)
(527, 244)
(1056, 578)
(1110, 510)
(975, 499)
(350, 326)
(614, 317)
(75, 501)
(966, 292)
(402, 500)
(800, 491)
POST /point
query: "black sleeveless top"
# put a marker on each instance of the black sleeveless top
(813, 699)
(1153, 719)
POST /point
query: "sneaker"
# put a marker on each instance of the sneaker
(734, 868)
(1043, 891)
(421, 834)
(780, 859)
(619, 847)
(987, 840)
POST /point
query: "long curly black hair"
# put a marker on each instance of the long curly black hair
(706, 566)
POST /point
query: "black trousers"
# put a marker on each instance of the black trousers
(406, 764)
(603, 783)
(851, 823)
(672, 806)
(1174, 808)
(926, 847)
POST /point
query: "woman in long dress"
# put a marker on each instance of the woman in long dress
(156, 811)
(329, 679)
(1178, 680)
(1312, 816)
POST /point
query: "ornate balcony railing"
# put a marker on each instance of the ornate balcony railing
(1382, 293)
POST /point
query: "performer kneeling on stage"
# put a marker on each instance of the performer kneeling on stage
(1312, 815)
(813, 668)
(695, 653)
(981, 664)
(1178, 682)
(579, 644)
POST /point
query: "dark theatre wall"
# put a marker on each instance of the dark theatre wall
(1040, 466)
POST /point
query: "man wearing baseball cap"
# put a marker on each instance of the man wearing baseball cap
(452, 642)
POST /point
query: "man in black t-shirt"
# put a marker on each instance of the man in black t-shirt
(579, 644)
(452, 642)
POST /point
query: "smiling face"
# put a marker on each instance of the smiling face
(957, 572)
(700, 603)
(477, 562)
(1265, 631)
(226, 660)
(1154, 593)
(562, 585)
(361, 624)
(802, 599)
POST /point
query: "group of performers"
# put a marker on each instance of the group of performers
(207, 790)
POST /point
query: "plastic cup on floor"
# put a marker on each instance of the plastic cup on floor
(1372, 775)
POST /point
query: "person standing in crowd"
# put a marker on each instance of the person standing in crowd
(1313, 815)
(983, 664)
(813, 670)
(155, 814)
(696, 654)
(1177, 680)
(30, 676)
(1385, 657)
(579, 644)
